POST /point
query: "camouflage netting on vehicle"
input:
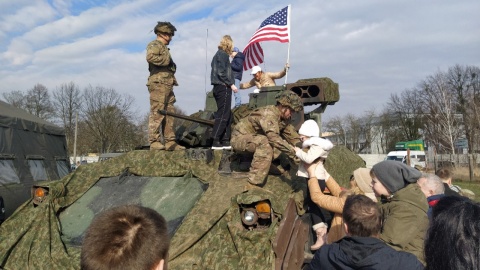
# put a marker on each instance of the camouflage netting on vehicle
(31, 237)
(341, 163)
(210, 236)
(331, 88)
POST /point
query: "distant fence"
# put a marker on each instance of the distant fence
(457, 160)
(434, 161)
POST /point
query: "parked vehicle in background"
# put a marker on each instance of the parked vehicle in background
(107, 156)
(413, 158)
(417, 145)
(409, 152)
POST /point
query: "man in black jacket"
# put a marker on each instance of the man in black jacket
(361, 248)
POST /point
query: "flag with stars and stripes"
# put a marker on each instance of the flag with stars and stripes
(274, 28)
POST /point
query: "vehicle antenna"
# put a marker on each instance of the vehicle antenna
(206, 50)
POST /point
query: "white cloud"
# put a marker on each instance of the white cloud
(371, 48)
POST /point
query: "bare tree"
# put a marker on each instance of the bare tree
(442, 123)
(337, 127)
(15, 98)
(464, 83)
(407, 110)
(38, 102)
(67, 100)
(108, 117)
(356, 133)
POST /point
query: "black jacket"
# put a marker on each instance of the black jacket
(449, 192)
(363, 253)
(237, 65)
(221, 69)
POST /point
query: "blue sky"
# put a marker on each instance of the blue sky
(372, 48)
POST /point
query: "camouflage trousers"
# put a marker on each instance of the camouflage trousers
(262, 152)
(161, 98)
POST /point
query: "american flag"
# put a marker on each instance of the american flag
(274, 28)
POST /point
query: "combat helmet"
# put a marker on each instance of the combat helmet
(165, 27)
(290, 99)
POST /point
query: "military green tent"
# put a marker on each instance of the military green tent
(31, 150)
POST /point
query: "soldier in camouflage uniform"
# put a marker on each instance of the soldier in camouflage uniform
(266, 133)
(160, 86)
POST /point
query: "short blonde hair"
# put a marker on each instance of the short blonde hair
(226, 44)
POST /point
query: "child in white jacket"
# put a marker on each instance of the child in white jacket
(315, 148)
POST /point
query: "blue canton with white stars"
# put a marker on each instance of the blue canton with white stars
(279, 18)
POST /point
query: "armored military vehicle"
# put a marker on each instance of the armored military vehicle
(214, 221)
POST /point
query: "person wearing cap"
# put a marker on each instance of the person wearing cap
(404, 206)
(262, 79)
(160, 86)
(237, 67)
(314, 149)
(221, 77)
(335, 203)
(266, 133)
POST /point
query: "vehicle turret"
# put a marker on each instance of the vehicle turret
(196, 130)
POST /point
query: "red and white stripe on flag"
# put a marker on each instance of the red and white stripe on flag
(274, 28)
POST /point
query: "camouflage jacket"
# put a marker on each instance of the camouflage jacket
(267, 121)
(267, 79)
(160, 64)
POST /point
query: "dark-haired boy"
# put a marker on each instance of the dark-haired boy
(126, 237)
(361, 248)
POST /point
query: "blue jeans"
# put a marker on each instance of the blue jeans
(238, 97)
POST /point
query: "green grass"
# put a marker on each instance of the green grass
(473, 186)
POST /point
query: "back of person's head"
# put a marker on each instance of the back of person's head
(226, 44)
(126, 237)
(362, 180)
(430, 184)
(361, 216)
(444, 174)
(394, 175)
(453, 239)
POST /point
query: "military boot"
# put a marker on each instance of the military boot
(172, 146)
(157, 146)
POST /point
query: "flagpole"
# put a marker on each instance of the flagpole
(288, 59)
(290, 39)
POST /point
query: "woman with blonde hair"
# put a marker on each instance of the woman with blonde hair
(359, 184)
(223, 82)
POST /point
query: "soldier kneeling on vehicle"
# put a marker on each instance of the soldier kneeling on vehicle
(266, 133)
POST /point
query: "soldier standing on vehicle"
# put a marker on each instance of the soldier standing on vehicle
(267, 132)
(262, 79)
(160, 86)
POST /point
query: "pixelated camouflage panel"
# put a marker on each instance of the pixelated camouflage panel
(31, 237)
(330, 87)
(226, 244)
(240, 112)
(341, 162)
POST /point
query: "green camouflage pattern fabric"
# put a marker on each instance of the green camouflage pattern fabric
(330, 88)
(261, 134)
(290, 99)
(165, 27)
(210, 237)
(31, 237)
